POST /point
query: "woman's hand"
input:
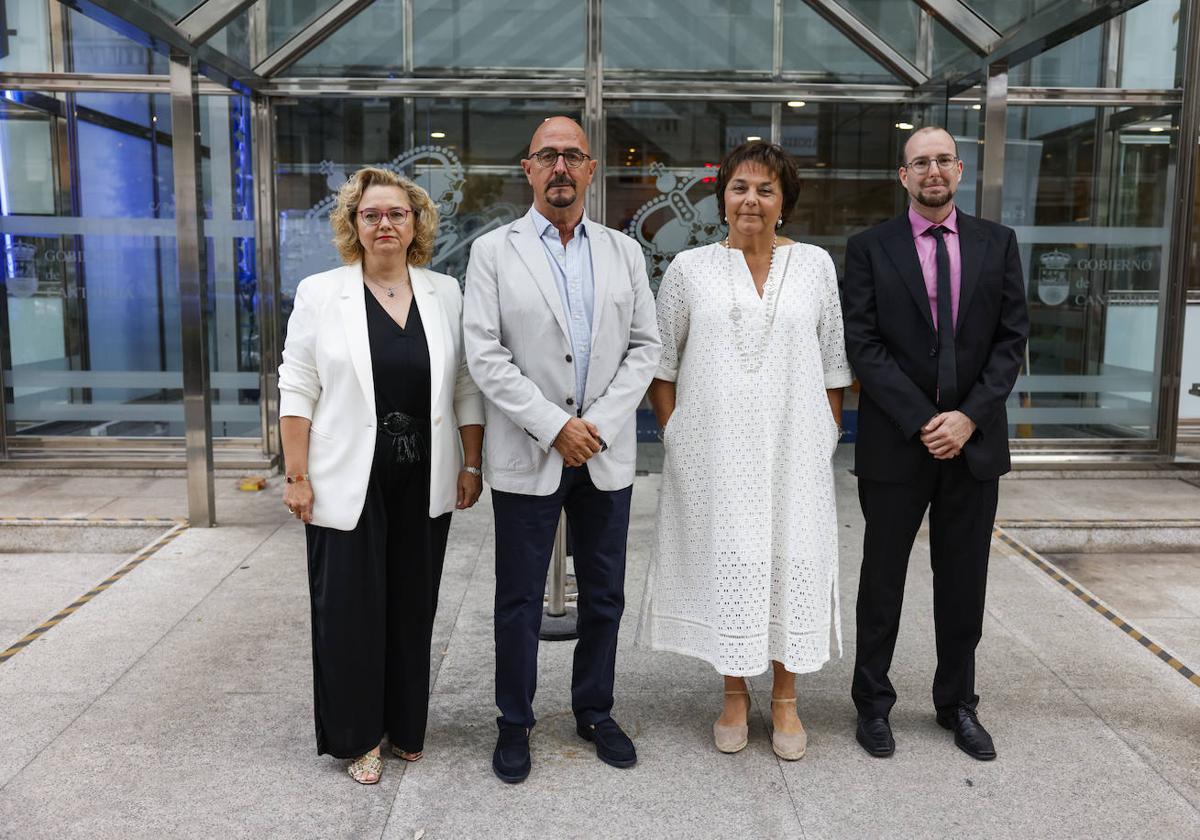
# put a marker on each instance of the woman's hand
(469, 488)
(299, 499)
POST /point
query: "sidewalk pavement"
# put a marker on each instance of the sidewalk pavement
(178, 702)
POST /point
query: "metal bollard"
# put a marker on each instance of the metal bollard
(559, 621)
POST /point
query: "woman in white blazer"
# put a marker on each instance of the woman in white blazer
(372, 386)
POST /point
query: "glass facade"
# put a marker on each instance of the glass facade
(449, 91)
(91, 317)
(1088, 192)
(466, 154)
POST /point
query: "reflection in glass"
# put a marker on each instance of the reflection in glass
(286, 18)
(1003, 15)
(97, 49)
(1073, 63)
(498, 33)
(812, 45)
(662, 159)
(849, 155)
(661, 167)
(91, 303)
(471, 169)
(25, 41)
(949, 52)
(1150, 41)
(233, 39)
(172, 10)
(1088, 192)
(681, 35)
(449, 36)
(370, 44)
(896, 23)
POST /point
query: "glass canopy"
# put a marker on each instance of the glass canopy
(894, 41)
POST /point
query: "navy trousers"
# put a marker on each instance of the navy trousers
(961, 513)
(525, 527)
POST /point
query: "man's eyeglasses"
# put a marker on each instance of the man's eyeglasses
(920, 166)
(397, 216)
(573, 158)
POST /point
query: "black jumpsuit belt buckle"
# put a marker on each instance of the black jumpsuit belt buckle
(397, 423)
(408, 444)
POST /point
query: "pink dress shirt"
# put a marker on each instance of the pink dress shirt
(927, 256)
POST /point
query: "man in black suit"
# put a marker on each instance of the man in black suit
(936, 325)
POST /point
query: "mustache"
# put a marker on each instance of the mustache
(561, 181)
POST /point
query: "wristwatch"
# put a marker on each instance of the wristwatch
(475, 471)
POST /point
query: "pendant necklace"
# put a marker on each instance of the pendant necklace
(752, 352)
(390, 291)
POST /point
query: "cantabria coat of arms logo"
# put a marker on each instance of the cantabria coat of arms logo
(1053, 279)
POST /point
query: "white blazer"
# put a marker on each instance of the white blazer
(326, 377)
(519, 351)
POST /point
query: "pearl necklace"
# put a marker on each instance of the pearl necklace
(753, 353)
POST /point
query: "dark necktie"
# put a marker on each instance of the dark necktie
(947, 376)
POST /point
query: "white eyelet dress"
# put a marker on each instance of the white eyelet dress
(745, 567)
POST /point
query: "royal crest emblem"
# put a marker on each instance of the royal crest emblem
(304, 236)
(675, 220)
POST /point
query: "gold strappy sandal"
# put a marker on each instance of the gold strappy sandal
(363, 768)
(407, 756)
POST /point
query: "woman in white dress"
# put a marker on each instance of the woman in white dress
(749, 394)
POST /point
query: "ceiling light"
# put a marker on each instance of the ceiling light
(632, 149)
(437, 135)
(796, 103)
(751, 138)
(1157, 128)
(903, 126)
(976, 107)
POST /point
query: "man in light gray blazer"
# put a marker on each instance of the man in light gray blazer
(561, 337)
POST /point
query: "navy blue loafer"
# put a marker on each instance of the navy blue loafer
(613, 746)
(510, 761)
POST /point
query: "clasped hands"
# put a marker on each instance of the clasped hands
(946, 434)
(577, 441)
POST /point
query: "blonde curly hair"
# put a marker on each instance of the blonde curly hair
(341, 218)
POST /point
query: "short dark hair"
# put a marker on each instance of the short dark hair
(770, 157)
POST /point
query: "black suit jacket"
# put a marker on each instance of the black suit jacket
(892, 345)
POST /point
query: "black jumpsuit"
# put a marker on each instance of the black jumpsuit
(374, 589)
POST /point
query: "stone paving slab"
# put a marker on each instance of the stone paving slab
(179, 704)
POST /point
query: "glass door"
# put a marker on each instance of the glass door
(91, 336)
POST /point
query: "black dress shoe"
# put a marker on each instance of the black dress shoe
(511, 761)
(612, 745)
(875, 735)
(969, 734)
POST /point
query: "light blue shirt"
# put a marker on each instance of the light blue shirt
(571, 265)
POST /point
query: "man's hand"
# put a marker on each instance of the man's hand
(946, 434)
(577, 441)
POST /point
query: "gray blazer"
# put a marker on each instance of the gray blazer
(518, 350)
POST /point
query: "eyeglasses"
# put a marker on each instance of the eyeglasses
(573, 158)
(920, 166)
(397, 216)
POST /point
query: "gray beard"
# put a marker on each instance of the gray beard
(561, 199)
